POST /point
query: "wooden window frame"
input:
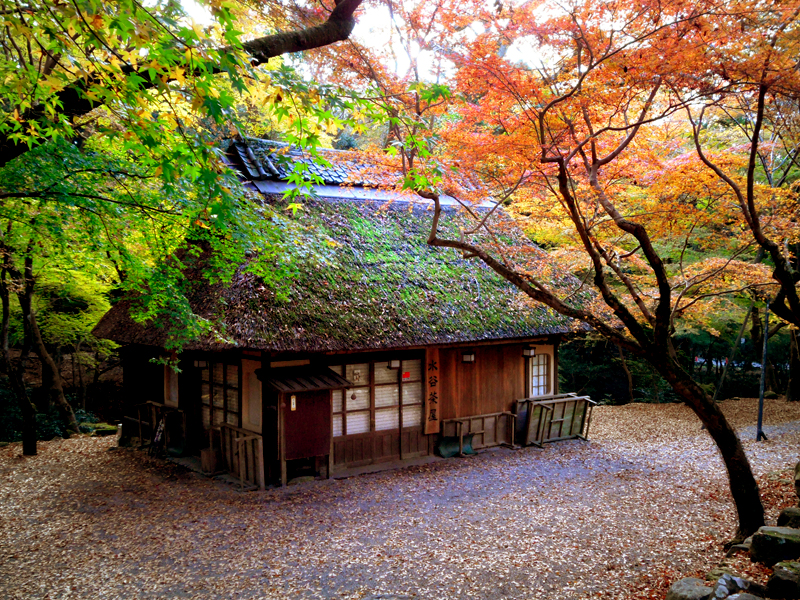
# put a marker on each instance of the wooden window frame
(371, 387)
(548, 374)
(207, 377)
(421, 404)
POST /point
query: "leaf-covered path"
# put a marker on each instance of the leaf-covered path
(621, 516)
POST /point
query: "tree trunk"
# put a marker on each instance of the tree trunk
(50, 373)
(756, 330)
(772, 382)
(15, 371)
(628, 374)
(744, 488)
(793, 390)
(29, 433)
(81, 378)
(95, 378)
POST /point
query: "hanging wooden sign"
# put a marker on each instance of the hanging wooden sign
(432, 374)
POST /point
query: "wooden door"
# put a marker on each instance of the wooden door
(307, 429)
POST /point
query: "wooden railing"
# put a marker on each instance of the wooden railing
(243, 454)
(148, 416)
(486, 430)
(551, 418)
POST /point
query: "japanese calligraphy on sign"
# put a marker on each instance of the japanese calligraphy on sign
(432, 378)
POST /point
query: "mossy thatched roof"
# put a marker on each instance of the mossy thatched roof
(376, 284)
(364, 278)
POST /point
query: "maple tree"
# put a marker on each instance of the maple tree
(109, 120)
(575, 116)
(751, 89)
(85, 56)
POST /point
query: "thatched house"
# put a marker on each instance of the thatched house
(367, 356)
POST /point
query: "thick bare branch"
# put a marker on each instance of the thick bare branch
(75, 102)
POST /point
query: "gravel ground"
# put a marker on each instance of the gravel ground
(643, 503)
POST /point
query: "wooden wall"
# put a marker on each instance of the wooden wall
(489, 385)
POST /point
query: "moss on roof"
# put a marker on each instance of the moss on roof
(374, 284)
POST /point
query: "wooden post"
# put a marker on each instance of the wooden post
(153, 422)
(241, 466)
(282, 439)
(400, 407)
(139, 417)
(589, 405)
(260, 464)
(330, 452)
(529, 428)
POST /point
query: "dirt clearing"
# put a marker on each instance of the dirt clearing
(642, 503)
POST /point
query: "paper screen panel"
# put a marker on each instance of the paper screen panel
(387, 395)
(357, 399)
(217, 397)
(219, 373)
(336, 396)
(383, 374)
(412, 416)
(357, 422)
(233, 400)
(387, 418)
(412, 393)
(337, 425)
(539, 374)
(232, 375)
(413, 368)
(357, 374)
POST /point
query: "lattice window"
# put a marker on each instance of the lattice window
(411, 382)
(219, 395)
(381, 398)
(539, 374)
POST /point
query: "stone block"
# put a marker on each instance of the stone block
(690, 588)
(797, 482)
(785, 581)
(790, 517)
(774, 544)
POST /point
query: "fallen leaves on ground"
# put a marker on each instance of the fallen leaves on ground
(641, 504)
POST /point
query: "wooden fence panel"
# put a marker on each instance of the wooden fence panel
(494, 429)
(553, 418)
(243, 454)
(149, 414)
